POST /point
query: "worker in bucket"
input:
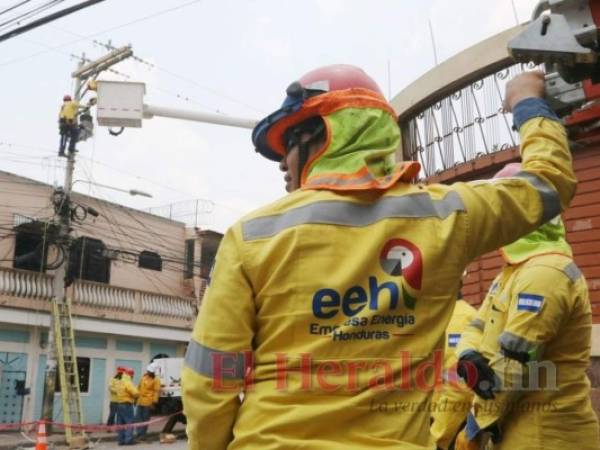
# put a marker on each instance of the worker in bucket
(527, 352)
(338, 295)
(149, 390)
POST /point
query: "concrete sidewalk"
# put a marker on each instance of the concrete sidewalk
(15, 440)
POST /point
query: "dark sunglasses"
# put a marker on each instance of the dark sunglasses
(293, 136)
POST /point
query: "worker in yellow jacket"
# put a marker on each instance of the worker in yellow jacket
(526, 353)
(327, 306)
(453, 402)
(149, 390)
(114, 401)
(68, 126)
(126, 395)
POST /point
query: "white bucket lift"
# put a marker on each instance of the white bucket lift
(121, 104)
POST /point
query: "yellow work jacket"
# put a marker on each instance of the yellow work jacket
(126, 390)
(112, 389)
(149, 388)
(538, 310)
(340, 302)
(68, 111)
(453, 402)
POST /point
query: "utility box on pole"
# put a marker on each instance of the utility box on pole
(120, 104)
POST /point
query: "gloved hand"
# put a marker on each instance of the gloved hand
(463, 443)
(474, 368)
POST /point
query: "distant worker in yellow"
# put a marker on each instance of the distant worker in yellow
(126, 395)
(451, 405)
(114, 401)
(149, 389)
(526, 353)
(67, 125)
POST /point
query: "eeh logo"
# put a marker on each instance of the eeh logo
(402, 258)
(398, 258)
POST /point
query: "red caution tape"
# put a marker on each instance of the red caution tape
(84, 427)
(16, 425)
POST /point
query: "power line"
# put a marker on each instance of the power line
(168, 246)
(119, 170)
(152, 65)
(49, 18)
(29, 147)
(4, 11)
(112, 223)
(141, 19)
(185, 78)
(32, 12)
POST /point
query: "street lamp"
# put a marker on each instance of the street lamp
(128, 191)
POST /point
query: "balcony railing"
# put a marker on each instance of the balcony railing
(30, 285)
(453, 114)
(466, 125)
(104, 296)
(97, 299)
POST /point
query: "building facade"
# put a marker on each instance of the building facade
(136, 281)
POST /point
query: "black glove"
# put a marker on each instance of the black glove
(475, 370)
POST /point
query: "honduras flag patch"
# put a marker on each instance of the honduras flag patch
(453, 339)
(529, 302)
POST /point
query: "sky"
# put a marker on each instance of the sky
(235, 57)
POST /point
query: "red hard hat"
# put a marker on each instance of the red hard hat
(338, 77)
(300, 105)
(509, 170)
(67, 98)
(129, 371)
(121, 369)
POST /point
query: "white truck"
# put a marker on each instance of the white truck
(169, 402)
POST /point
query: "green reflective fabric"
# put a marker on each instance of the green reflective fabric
(360, 138)
(549, 238)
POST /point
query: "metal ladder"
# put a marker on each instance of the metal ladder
(67, 368)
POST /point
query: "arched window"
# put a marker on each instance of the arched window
(150, 260)
(88, 260)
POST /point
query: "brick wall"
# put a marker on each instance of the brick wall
(582, 221)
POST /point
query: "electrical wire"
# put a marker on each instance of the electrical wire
(155, 182)
(107, 30)
(29, 13)
(10, 8)
(115, 168)
(174, 260)
(184, 78)
(112, 222)
(47, 19)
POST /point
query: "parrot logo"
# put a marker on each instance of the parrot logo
(400, 257)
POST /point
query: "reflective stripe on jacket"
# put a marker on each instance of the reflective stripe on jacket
(341, 301)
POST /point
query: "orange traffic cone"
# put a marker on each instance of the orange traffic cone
(42, 440)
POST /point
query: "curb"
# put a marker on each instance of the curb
(112, 437)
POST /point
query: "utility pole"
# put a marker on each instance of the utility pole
(62, 217)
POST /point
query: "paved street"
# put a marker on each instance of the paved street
(181, 444)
